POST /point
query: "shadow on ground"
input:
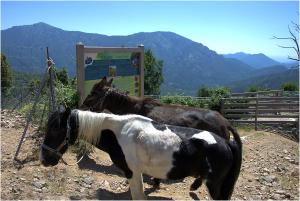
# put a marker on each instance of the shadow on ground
(103, 194)
(90, 164)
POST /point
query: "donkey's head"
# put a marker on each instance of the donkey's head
(56, 139)
(94, 100)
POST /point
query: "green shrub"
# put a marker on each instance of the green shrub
(289, 86)
(62, 76)
(40, 114)
(205, 91)
(215, 94)
(216, 98)
(255, 88)
(213, 103)
(66, 95)
(188, 101)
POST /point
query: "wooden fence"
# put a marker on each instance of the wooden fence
(270, 93)
(262, 107)
(265, 109)
(259, 93)
(159, 97)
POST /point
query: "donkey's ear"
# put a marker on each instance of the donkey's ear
(110, 82)
(100, 84)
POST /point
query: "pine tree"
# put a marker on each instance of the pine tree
(153, 74)
(6, 77)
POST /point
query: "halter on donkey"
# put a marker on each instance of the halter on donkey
(138, 145)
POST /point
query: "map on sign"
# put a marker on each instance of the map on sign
(124, 67)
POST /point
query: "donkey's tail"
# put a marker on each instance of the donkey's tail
(236, 137)
(233, 174)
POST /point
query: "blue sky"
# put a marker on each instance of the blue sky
(226, 27)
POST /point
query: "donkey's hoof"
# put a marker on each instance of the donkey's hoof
(156, 183)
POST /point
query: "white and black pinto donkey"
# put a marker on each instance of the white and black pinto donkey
(138, 145)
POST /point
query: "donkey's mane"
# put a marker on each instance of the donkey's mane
(90, 126)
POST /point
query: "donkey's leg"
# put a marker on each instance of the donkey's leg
(196, 184)
(137, 187)
(156, 183)
(214, 189)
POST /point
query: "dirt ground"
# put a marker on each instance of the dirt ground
(269, 171)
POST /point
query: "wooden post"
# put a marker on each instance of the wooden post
(256, 111)
(222, 107)
(141, 70)
(80, 70)
(297, 132)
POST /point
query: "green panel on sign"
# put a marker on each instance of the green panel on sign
(113, 55)
(125, 83)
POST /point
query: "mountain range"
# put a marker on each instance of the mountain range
(187, 64)
(254, 60)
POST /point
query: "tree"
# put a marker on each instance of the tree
(62, 76)
(294, 40)
(153, 74)
(66, 92)
(6, 77)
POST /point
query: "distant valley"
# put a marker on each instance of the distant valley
(187, 64)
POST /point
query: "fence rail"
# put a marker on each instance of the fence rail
(270, 92)
(266, 110)
(159, 97)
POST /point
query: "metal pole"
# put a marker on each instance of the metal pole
(52, 95)
(37, 96)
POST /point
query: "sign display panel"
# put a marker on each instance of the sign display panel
(124, 65)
